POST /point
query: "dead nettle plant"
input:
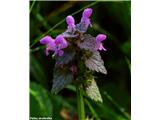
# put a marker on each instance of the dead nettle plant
(77, 56)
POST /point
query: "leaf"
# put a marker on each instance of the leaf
(92, 109)
(95, 63)
(37, 70)
(88, 43)
(81, 27)
(107, 113)
(61, 79)
(66, 58)
(39, 98)
(66, 34)
(92, 90)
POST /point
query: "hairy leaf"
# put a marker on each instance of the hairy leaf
(95, 63)
(61, 79)
(66, 34)
(39, 98)
(88, 42)
(92, 90)
(66, 58)
(81, 27)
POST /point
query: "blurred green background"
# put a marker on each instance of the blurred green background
(110, 18)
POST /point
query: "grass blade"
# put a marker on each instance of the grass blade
(33, 3)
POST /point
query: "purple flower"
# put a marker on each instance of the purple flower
(71, 23)
(54, 45)
(85, 17)
(61, 43)
(99, 39)
(87, 12)
(49, 42)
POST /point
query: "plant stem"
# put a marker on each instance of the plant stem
(80, 102)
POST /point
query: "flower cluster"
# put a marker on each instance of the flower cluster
(76, 55)
(56, 45)
(59, 43)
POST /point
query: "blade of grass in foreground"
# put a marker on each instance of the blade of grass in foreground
(33, 3)
(92, 109)
(117, 106)
(36, 40)
(42, 97)
(128, 63)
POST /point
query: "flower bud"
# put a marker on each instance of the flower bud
(46, 39)
(70, 21)
(87, 12)
(101, 37)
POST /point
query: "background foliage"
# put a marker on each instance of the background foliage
(110, 18)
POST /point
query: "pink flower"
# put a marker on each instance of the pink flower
(61, 43)
(54, 45)
(49, 42)
(71, 23)
(85, 17)
(87, 12)
(99, 39)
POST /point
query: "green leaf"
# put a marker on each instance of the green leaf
(117, 106)
(88, 43)
(94, 113)
(95, 63)
(126, 47)
(37, 70)
(61, 79)
(40, 102)
(92, 90)
(107, 113)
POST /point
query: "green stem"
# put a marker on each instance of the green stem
(80, 103)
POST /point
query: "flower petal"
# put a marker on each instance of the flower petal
(60, 52)
(101, 37)
(61, 42)
(87, 12)
(46, 39)
(70, 21)
(102, 47)
(47, 51)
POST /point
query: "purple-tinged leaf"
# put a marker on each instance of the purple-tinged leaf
(81, 27)
(61, 79)
(95, 63)
(65, 58)
(67, 34)
(88, 43)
